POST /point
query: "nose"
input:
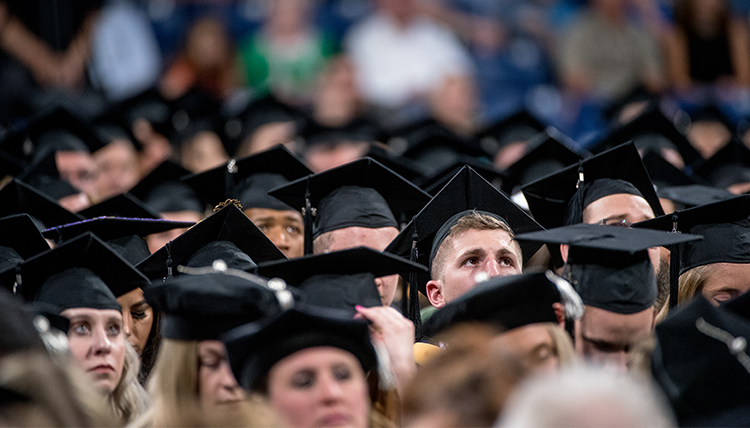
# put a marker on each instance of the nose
(229, 383)
(492, 268)
(100, 342)
(127, 324)
(278, 237)
(330, 389)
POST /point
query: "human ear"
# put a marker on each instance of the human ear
(434, 290)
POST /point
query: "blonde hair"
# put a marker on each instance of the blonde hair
(692, 282)
(129, 400)
(564, 349)
(473, 221)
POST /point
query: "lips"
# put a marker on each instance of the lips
(102, 368)
(335, 419)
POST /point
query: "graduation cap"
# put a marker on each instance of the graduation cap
(259, 112)
(18, 332)
(10, 165)
(560, 197)
(435, 147)
(701, 363)
(20, 239)
(149, 105)
(249, 179)
(730, 165)
(609, 266)
(404, 167)
(82, 272)
(122, 205)
(206, 305)
(340, 279)
(694, 195)
(195, 111)
(124, 235)
(57, 129)
(359, 129)
(226, 233)
(253, 349)
(508, 302)
(163, 192)
(43, 174)
(362, 193)
(651, 131)
(547, 151)
(18, 197)
(467, 191)
(663, 174)
(486, 169)
(638, 95)
(519, 126)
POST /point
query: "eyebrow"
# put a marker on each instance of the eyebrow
(604, 343)
(287, 217)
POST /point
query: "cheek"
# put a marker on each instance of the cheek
(79, 347)
(142, 327)
(118, 353)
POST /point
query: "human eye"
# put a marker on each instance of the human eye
(114, 329)
(506, 261)
(470, 261)
(212, 361)
(263, 227)
(293, 230)
(80, 328)
(303, 379)
(138, 315)
(342, 373)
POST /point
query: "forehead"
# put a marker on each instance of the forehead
(97, 315)
(356, 236)
(620, 205)
(487, 240)
(603, 325)
(267, 213)
(318, 356)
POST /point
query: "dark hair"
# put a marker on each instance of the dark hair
(151, 350)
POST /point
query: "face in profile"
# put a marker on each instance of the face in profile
(532, 344)
(284, 228)
(98, 344)
(137, 317)
(320, 387)
(217, 386)
(726, 281)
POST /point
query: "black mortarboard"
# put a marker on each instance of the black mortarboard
(20, 239)
(18, 197)
(701, 363)
(404, 167)
(651, 131)
(609, 266)
(508, 302)
(519, 126)
(124, 235)
(483, 167)
(10, 165)
(730, 165)
(149, 105)
(227, 226)
(362, 193)
(18, 332)
(122, 205)
(547, 152)
(112, 125)
(694, 195)
(340, 279)
(163, 192)
(255, 348)
(204, 306)
(663, 174)
(467, 191)
(436, 147)
(195, 111)
(42, 174)
(83, 272)
(554, 199)
(249, 179)
(638, 95)
(725, 226)
(259, 112)
(358, 129)
(57, 129)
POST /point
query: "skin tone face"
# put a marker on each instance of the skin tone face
(621, 207)
(487, 253)
(284, 228)
(117, 168)
(158, 240)
(320, 387)
(137, 317)
(98, 344)
(377, 239)
(606, 338)
(216, 384)
(727, 281)
(78, 169)
(532, 344)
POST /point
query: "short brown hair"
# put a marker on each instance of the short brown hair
(474, 221)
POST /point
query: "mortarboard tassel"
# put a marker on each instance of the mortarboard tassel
(308, 219)
(674, 267)
(168, 247)
(575, 206)
(413, 309)
(229, 178)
